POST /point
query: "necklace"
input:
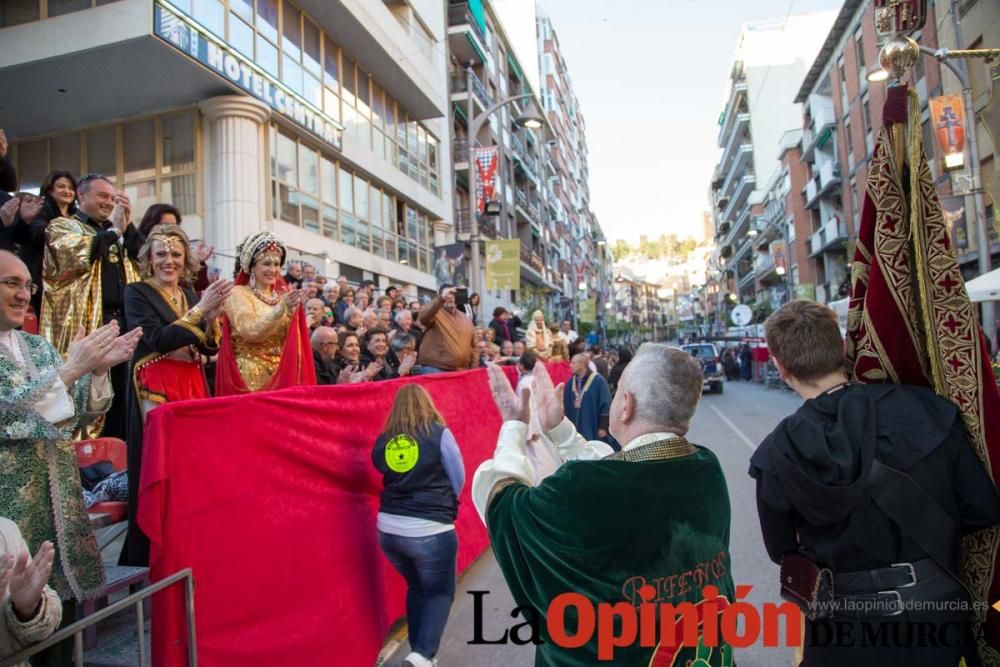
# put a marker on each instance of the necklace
(177, 303)
(269, 300)
(580, 388)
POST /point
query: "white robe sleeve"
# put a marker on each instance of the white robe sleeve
(99, 399)
(56, 405)
(574, 447)
(510, 460)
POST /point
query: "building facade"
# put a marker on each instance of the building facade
(325, 121)
(979, 28)
(486, 70)
(771, 59)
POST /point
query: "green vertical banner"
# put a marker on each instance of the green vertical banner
(503, 264)
(588, 311)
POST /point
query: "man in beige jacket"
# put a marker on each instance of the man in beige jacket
(31, 610)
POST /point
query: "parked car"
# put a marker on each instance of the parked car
(711, 365)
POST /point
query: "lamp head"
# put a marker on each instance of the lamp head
(530, 119)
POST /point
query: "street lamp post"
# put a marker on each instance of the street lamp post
(960, 70)
(476, 124)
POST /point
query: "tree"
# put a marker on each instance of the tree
(665, 247)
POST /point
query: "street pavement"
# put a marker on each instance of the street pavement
(731, 424)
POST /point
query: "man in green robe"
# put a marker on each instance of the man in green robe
(647, 524)
(43, 401)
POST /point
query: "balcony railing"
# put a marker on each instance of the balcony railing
(522, 154)
(831, 235)
(487, 224)
(460, 84)
(459, 14)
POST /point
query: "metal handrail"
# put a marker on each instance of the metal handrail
(75, 630)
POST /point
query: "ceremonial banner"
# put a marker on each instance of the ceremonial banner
(486, 176)
(911, 321)
(503, 264)
(588, 311)
(953, 209)
(779, 257)
(948, 116)
(271, 499)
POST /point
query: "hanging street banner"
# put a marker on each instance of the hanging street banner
(948, 116)
(778, 255)
(588, 311)
(503, 264)
(486, 176)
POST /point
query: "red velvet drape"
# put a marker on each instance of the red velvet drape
(911, 321)
(296, 368)
(271, 499)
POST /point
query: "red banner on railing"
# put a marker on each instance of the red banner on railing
(271, 499)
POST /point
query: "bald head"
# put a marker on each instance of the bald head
(324, 342)
(13, 302)
(580, 364)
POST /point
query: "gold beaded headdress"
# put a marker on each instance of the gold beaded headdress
(168, 240)
(258, 243)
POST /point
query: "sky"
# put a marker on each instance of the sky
(651, 77)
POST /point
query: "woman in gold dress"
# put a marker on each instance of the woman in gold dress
(265, 340)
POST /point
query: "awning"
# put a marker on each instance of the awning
(985, 288)
(478, 13)
(514, 66)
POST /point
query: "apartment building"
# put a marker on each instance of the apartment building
(302, 116)
(841, 117)
(771, 59)
(485, 70)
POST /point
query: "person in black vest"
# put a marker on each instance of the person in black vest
(422, 474)
(874, 484)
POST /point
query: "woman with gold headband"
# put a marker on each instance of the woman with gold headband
(177, 329)
(265, 337)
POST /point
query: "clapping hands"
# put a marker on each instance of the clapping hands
(98, 352)
(511, 406)
(213, 297)
(548, 399)
(294, 298)
(406, 363)
(26, 579)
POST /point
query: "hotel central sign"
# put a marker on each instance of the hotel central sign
(198, 43)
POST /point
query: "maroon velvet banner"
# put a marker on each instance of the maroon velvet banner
(271, 499)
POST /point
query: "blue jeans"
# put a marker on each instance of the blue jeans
(428, 564)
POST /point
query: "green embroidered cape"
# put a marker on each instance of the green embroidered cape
(650, 515)
(40, 486)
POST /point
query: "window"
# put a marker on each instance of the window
(153, 159)
(842, 74)
(288, 45)
(867, 119)
(16, 12)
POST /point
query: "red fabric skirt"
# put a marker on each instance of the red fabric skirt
(168, 380)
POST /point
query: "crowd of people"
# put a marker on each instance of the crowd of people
(130, 317)
(103, 319)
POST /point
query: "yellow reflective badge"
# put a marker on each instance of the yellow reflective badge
(401, 453)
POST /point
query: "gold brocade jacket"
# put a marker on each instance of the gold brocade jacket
(258, 331)
(72, 281)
